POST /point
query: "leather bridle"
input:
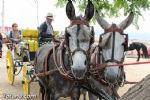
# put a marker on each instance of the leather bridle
(78, 23)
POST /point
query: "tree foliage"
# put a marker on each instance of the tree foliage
(113, 7)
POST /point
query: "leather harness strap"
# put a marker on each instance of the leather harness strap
(46, 72)
(61, 67)
(113, 28)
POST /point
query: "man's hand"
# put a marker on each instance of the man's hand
(16, 40)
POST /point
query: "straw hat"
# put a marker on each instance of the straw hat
(49, 15)
(14, 24)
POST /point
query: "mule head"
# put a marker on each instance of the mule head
(78, 38)
(131, 46)
(112, 44)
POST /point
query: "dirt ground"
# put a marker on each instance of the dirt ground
(133, 73)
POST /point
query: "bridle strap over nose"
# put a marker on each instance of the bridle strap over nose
(113, 48)
(78, 46)
(116, 61)
(78, 29)
(79, 49)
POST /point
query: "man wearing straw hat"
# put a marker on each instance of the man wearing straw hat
(46, 28)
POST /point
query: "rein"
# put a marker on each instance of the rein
(61, 67)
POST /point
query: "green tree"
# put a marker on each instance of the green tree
(114, 8)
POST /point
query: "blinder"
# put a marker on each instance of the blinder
(67, 37)
(113, 29)
(92, 35)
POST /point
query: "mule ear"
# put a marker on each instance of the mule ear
(70, 10)
(103, 23)
(89, 11)
(124, 24)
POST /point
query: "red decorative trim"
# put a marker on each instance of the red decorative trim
(113, 28)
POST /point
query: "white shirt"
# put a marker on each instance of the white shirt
(49, 28)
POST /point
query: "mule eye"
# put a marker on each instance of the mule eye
(123, 43)
(67, 35)
(85, 62)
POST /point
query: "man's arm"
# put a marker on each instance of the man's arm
(0, 36)
(10, 37)
(42, 31)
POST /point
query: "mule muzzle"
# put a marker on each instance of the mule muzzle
(79, 73)
(112, 74)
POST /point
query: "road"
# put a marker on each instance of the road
(133, 73)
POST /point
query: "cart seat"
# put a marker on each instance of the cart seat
(30, 34)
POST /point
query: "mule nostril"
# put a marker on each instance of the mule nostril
(85, 62)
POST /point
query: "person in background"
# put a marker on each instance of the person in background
(46, 28)
(139, 46)
(15, 33)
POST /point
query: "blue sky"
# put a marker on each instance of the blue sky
(24, 13)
